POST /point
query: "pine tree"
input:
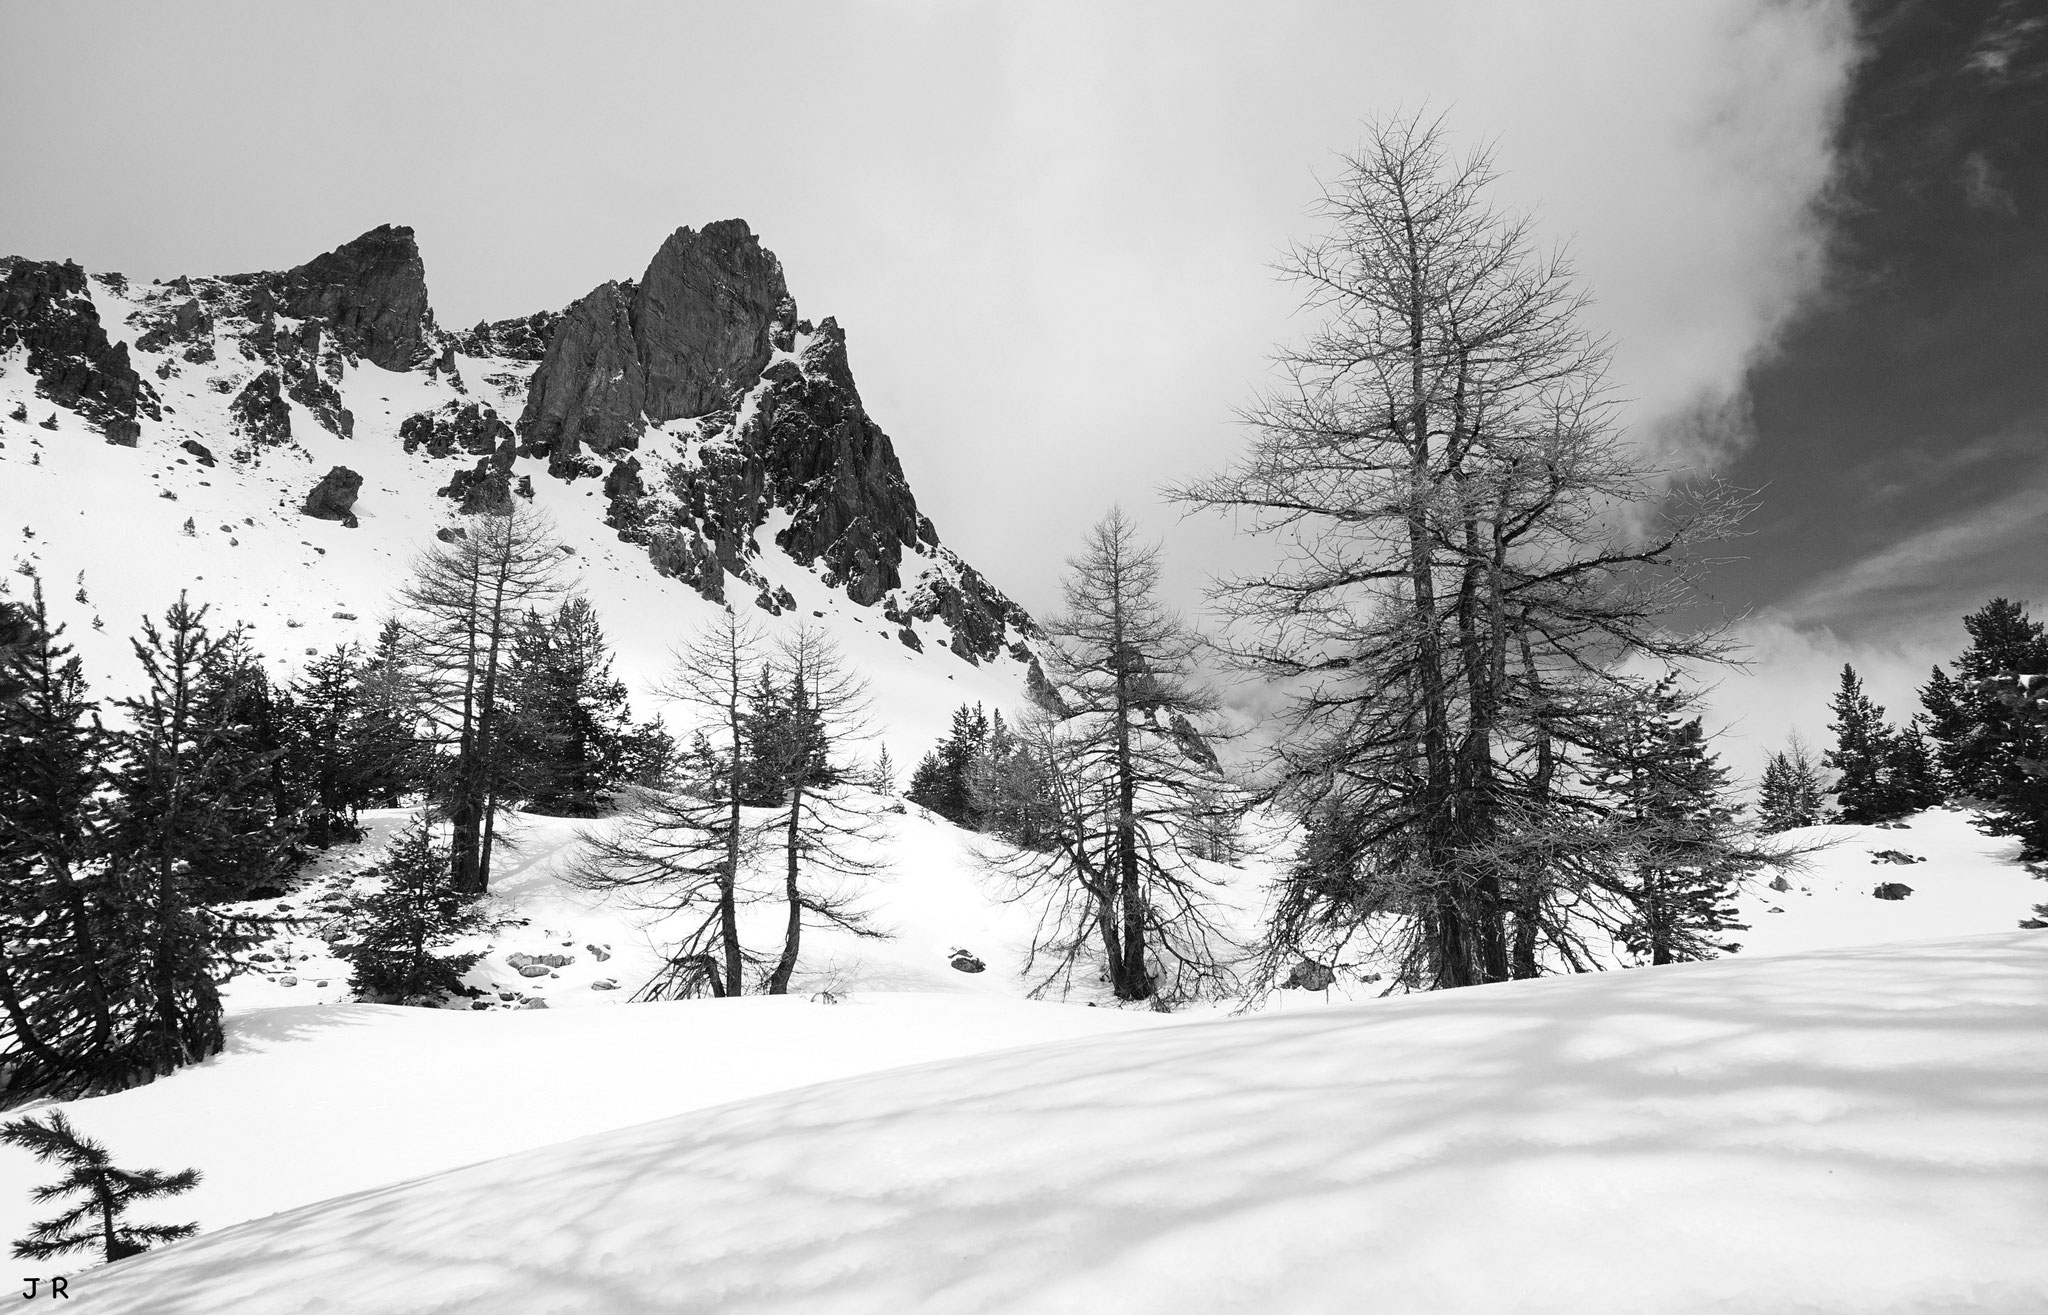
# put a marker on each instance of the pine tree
(942, 781)
(248, 787)
(64, 983)
(1111, 799)
(2021, 806)
(387, 758)
(324, 755)
(1794, 794)
(1912, 781)
(398, 942)
(567, 725)
(1862, 756)
(178, 811)
(109, 1193)
(882, 775)
(1669, 801)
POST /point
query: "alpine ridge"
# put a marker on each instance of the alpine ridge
(713, 422)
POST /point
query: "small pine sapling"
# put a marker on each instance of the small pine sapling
(398, 948)
(109, 1192)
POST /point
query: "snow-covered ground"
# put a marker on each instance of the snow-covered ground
(1802, 1121)
(1845, 1130)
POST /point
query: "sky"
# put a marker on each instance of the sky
(1050, 229)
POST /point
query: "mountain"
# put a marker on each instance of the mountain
(275, 438)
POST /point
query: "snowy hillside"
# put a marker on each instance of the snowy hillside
(234, 411)
(1848, 1130)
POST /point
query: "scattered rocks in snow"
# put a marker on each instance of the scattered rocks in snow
(1308, 975)
(598, 953)
(535, 1003)
(334, 497)
(199, 451)
(344, 616)
(287, 981)
(533, 970)
(51, 423)
(604, 984)
(1893, 856)
(1892, 890)
(1779, 883)
(966, 962)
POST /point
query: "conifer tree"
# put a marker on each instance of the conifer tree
(107, 1193)
(1668, 801)
(1976, 735)
(387, 756)
(2021, 806)
(685, 853)
(178, 812)
(1794, 794)
(1116, 792)
(1862, 756)
(882, 774)
(248, 789)
(464, 602)
(567, 731)
(397, 947)
(64, 985)
(324, 753)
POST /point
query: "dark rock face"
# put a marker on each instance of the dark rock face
(371, 292)
(471, 427)
(697, 328)
(1892, 890)
(200, 452)
(260, 413)
(45, 306)
(334, 497)
(524, 339)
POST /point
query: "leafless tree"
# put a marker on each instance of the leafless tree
(685, 853)
(1463, 565)
(1121, 790)
(461, 607)
(824, 826)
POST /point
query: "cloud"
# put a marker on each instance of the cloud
(1905, 576)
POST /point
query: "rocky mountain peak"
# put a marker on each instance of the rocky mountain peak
(372, 293)
(694, 331)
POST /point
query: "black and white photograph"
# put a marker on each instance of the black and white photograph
(851, 657)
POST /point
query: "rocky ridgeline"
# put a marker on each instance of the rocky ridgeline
(706, 347)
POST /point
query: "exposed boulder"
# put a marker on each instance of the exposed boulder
(1892, 890)
(200, 452)
(1308, 975)
(45, 306)
(334, 497)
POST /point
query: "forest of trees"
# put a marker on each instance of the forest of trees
(132, 835)
(1976, 742)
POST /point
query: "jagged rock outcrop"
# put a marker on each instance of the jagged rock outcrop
(334, 497)
(474, 428)
(372, 293)
(45, 307)
(521, 339)
(695, 330)
(259, 412)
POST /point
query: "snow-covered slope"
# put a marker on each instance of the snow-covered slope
(205, 491)
(1847, 1130)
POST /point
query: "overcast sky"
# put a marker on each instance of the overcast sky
(1048, 229)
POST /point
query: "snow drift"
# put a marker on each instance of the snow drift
(1846, 1130)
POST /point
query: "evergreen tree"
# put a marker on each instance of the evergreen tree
(1669, 801)
(1978, 737)
(2021, 806)
(323, 751)
(649, 757)
(567, 729)
(943, 782)
(397, 944)
(387, 758)
(882, 775)
(180, 828)
(108, 1194)
(1794, 794)
(248, 789)
(1865, 748)
(64, 979)
(1912, 781)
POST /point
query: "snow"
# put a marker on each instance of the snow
(1846, 1130)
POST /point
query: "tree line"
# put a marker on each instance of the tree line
(1976, 742)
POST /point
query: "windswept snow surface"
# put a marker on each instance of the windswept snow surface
(1847, 1130)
